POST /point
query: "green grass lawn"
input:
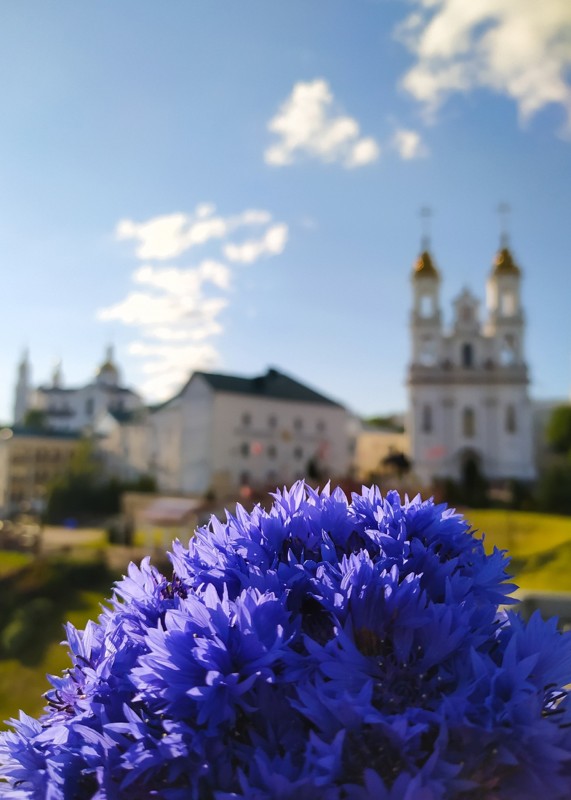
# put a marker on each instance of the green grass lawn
(539, 546)
(73, 590)
(11, 561)
(21, 686)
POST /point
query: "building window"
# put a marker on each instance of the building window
(508, 350)
(321, 426)
(427, 419)
(298, 453)
(467, 355)
(245, 449)
(89, 406)
(272, 452)
(246, 419)
(468, 423)
(428, 351)
(244, 478)
(298, 424)
(511, 424)
(272, 421)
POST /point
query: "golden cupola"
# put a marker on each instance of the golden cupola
(424, 266)
(504, 263)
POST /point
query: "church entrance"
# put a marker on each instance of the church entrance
(473, 484)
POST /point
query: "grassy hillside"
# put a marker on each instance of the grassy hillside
(36, 599)
(22, 685)
(539, 546)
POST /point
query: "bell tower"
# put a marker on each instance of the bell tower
(426, 316)
(505, 315)
(22, 395)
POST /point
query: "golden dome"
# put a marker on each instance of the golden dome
(424, 267)
(504, 263)
(107, 366)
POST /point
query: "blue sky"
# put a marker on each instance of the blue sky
(234, 185)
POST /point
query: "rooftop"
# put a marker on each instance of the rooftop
(273, 384)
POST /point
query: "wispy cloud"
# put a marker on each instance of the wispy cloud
(272, 243)
(519, 48)
(409, 144)
(171, 235)
(176, 309)
(308, 124)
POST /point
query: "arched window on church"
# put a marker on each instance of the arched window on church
(508, 350)
(467, 355)
(511, 422)
(468, 423)
(428, 351)
(427, 419)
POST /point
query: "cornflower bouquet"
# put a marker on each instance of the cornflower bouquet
(324, 650)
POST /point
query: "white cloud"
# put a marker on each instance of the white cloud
(520, 48)
(177, 310)
(409, 144)
(179, 281)
(171, 235)
(307, 124)
(363, 152)
(272, 243)
(167, 367)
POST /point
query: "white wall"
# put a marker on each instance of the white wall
(502, 454)
(83, 406)
(279, 439)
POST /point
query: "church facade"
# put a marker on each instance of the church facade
(73, 409)
(469, 406)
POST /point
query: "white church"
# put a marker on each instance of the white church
(468, 384)
(69, 409)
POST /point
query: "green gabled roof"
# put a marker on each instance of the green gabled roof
(273, 384)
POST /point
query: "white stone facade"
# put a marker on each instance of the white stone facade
(74, 409)
(468, 384)
(222, 433)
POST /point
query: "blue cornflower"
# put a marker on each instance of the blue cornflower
(324, 649)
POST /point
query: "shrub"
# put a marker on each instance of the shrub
(22, 630)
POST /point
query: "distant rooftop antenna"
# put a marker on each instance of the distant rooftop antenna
(426, 216)
(504, 212)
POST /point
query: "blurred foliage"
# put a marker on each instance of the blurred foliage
(83, 493)
(35, 419)
(385, 423)
(553, 491)
(23, 684)
(35, 601)
(559, 430)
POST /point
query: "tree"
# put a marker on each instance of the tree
(554, 489)
(35, 419)
(559, 430)
(84, 492)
